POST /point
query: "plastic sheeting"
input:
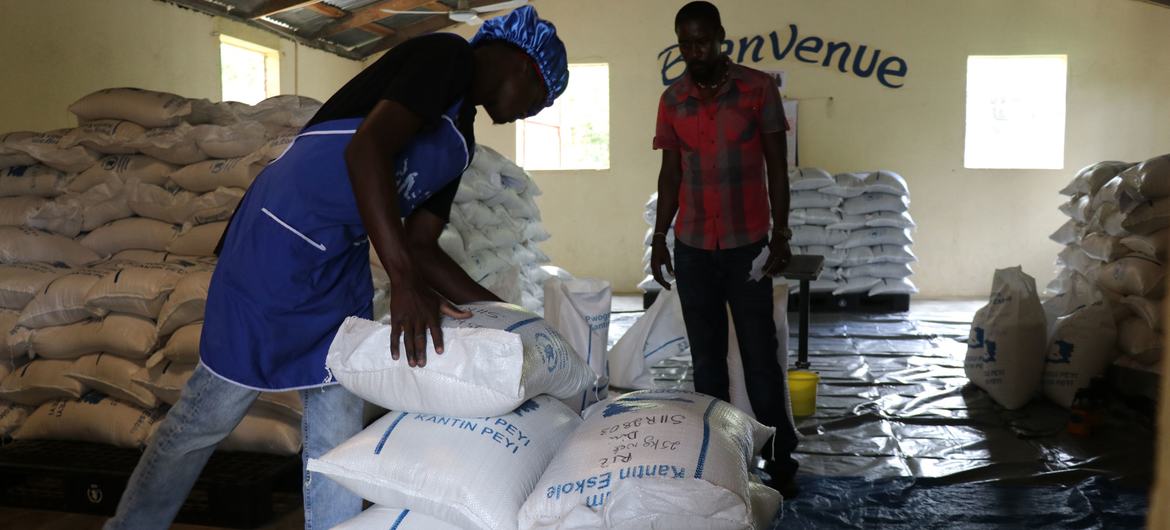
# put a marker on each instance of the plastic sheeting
(900, 439)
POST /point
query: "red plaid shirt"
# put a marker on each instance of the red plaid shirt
(723, 193)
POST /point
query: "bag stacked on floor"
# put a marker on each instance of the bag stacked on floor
(1006, 348)
(1115, 243)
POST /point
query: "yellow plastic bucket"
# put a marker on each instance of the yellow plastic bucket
(802, 389)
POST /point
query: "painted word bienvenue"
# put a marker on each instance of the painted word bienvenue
(855, 59)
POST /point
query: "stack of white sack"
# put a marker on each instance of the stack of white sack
(494, 233)
(1115, 252)
(493, 397)
(861, 223)
(107, 251)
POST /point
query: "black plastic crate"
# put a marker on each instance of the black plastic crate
(236, 490)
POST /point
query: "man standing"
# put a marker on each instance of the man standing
(380, 163)
(725, 172)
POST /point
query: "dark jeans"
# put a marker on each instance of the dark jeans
(708, 282)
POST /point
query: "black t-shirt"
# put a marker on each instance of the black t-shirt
(426, 75)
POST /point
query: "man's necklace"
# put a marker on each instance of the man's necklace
(717, 84)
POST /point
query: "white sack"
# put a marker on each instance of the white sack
(886, 182)
(15, 211)
(875, 202)
(139, 289)
(12, 415)
(1152, 246)
(1149, 217)
(168, 204)
(846, 185)
(174, 145)
(183, 346)
(185, 303)
(1134, 276)
(231, 141)
(261, 432)
(1006, 350)
(199, 240)
(801, 179)
(127, 336)
(208, 175)
(1138, 340)
(1148, 310)
(124, 168)
(812, 199)
(63, 301)
(40, 381)
(878, 270)
(27, 245)
(32, 181)
(809, 235)
(164, 378)
(658, 334)
(1070, 232)
(1150, 178)
(813, 216)
(47, 149)
(20, 283)
(134, 233)
(651, 459)
(1081, 348)
(889, 220)
(112, 376)
(500, 459)
(105, 136)
(213, 206)
(580, 311)
(892, 254)
(491, 363)
(144, 107)
(894, 286)
(1103, 247)
(93, 418)
(379, 517)
(873, 237)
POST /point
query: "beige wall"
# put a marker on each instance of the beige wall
(55, 51)
(970, 221)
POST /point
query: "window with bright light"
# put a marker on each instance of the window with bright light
(574, 132)
(1015, 111)
(250, 72)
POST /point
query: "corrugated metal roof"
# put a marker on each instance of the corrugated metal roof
(350, 28)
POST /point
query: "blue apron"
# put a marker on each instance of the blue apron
(295, 258)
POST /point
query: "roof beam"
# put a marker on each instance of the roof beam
(369, 14)
(272, 7)
(327, 10)
(430, 24)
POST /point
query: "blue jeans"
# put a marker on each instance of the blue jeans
(208, 411)
(710, 281)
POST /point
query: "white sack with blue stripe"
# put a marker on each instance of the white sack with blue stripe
(651, 459)
(382, 517)
(491, 363)
(470, 472)
(580, 310)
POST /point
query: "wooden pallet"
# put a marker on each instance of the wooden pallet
(236, 490)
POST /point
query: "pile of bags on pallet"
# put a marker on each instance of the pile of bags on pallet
(503, 396)
(1106, 303)
(107, 234)
(1115, 251)
(494, 233)
(860, 223)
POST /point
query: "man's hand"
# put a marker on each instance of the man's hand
(659, 258)
(779, 254)
(415, 310)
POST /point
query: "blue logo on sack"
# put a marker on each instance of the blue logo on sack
(526, 407)
(548, 350)
(1064, 351)
(990, 357)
